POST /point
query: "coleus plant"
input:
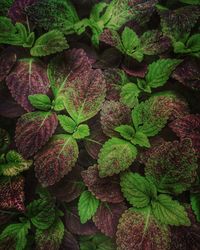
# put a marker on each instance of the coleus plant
(99, 125)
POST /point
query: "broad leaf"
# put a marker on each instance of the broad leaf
(129, 95)
(40, 101)
(87, 206)
(126, 131)
(144, 231)
(56, 159)
(195, 202)
(105, 189)
(27, 78)
(115, 156)
(137, 189)
(49, 43)
(33, 130)
(67, 123)
(107, 217)
(169, 211)
(130, 40)
(141, 139)
(82, 131)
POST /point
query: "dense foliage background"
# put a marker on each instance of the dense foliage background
(99, 125)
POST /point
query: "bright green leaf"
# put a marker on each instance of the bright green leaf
(81, 132)
(40, 101)
(193, 43)
(195, 202)
(141, 139)
(129, 95)
(67, 123)
(126, 131)
(130, 40)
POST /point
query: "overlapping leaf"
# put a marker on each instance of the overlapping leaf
(114, 114)
(107, 217)
(105, 189)
(27, 78)
(7, 61)
(188, 127)
(69, 242)
(55, 160)
(12, 194)
(172, 166)
(140, 230)
(33, 130)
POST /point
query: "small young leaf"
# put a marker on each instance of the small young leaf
(129, 95)
(169, 211)
(49, 43)
(81, 132)
(160, 71)
(87, 206)
(195, 202)
(193, 43)
(137, 189)
(115, 156)
(40, 101)
(67, 123)
(141, 139)
(130, 40)
(126, 131)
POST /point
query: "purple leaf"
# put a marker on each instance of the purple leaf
(27, 78)
(133, 68)
(69, 242)
(7, 61)
(33, 130)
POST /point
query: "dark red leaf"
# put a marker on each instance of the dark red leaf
(105, 189)
(107, 217)
(69, 242)
(7, 60)
(133, 68)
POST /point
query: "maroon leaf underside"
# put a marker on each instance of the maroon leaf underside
(12, 194)
(28, 77)
(33, 130)
(105, 189)
(73, 224)
(7, 61)
(133, 68)
(107, 217)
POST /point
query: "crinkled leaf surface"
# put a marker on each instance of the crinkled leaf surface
(114, 114)
(33, 130)
(115, 156)
(105, 189)
(107, 217)
(138, 229)
(27, 78)
(172, 166)
(56, 159)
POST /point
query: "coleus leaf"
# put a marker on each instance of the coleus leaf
(50, 238)
(17, 12)
(107, 217)
(191, 79)
(14, 164)
(7, 61)
(195, 202)
(4, 140)
(141, 139)
(114, 114)
(67, 123)
(69, 242)
(172, 166)
(97, 242)
(169, 211)
(12, 194)
(33, 130)
(18, 232)
(126, 131)
(105, 189)
(81, 132)
(160, 71)
(87, 206)
(53, 14)
(129, 95)
(81, 92)
(49, 43)
(115, 156)
(137, 189)
(40, 101)
(55, 160)
(41, 213)
(27, 78)
(73, 224)
(138, 229)
(4, 7)
(188, 127)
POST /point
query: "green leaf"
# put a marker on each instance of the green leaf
(67, 123)
(141, 139)
(49, 43)
(193, 43)
(18, 232)
(130, 40)
(41, 213)
(190, 1)
(40, 101)
(169, 211)
(137, 189)
(129, 95)
(5, 6)
(160, 71)
(81, 132)
(115, 156)
(14, 164)
(97, 10)
(126, 131)
(87, 206)
(195, 202)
